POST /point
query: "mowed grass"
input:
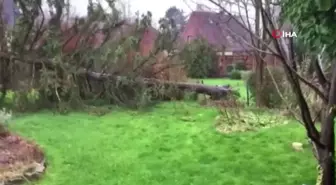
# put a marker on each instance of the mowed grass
(159, 148)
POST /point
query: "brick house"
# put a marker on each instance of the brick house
(127, 29)
(224, 32)
(71, 38)
(147, 43)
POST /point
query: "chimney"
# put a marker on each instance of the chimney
(199, 7)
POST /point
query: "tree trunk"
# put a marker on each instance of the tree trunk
(215, 92)
(328, 170)
(258, 60)
(326, 174)
(259, 81)
(327, 154)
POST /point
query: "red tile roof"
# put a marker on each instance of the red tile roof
(220, 30)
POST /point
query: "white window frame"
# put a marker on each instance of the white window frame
(228, 53)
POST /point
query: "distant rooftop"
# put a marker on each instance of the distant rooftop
(219, 29)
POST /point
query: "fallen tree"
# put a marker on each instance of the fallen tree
(215, 92)
(91, 59)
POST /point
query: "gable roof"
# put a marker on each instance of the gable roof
(219, 29)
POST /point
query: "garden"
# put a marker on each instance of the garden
(180, 142)
(89, 103)
(175, 143)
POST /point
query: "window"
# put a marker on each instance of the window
(230, 39)
(228, 53)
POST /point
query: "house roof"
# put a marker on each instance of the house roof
(219, 29)
(97, 38)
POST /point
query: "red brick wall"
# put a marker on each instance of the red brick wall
(224, 61)
(148, 41)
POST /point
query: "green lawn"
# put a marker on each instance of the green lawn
(159, 148)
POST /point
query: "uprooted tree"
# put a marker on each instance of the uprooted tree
(313, 22)
(69, 59)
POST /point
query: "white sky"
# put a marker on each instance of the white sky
(157, 7)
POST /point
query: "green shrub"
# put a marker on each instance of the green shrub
(240, 65)
(200, 59)
(22, 100)
(235, 75)
(245, 75)
(229, 68)
(270, 96)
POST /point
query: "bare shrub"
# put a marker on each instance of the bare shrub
(241, 120)
(270, 95)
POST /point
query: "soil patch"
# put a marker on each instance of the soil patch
(20, 160)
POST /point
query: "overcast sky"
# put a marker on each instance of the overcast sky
(157, 7)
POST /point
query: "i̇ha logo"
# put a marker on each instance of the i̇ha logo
(278, 34)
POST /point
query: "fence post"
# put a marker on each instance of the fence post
(247, 95)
